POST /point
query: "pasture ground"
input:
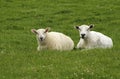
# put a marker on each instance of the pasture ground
(19, 58)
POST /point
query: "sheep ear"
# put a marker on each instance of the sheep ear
(76, 27)
(47, 29)
(34, 31)
(91, 26)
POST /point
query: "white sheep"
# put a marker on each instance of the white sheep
(91, 39)
(52, 40)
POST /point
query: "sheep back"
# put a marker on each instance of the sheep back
(58, 41)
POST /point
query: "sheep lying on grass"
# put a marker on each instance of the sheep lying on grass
(52, 40)
(91, 39)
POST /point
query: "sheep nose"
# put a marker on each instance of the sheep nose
(83, 35)
(41, 38)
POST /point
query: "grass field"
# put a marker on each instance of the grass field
(19, 58)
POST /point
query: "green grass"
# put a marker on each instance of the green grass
(19, 58)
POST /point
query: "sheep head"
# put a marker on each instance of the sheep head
(40, 33)
(84, 30)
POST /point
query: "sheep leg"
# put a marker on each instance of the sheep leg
(80, 44)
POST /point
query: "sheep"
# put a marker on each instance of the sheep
(91, 39)
(52, 40)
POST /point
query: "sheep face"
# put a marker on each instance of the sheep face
(40, 33)
(84, 30)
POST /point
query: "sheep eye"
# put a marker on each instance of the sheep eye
(88, 29)
(44, 32)
(79, 29)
